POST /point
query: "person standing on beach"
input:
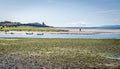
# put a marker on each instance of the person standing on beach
(80, 29)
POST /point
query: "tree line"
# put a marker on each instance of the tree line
(16, 24)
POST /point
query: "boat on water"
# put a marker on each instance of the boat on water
(29, 33)
(40, 33)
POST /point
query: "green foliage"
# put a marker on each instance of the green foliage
(60, 53)
(30, 28)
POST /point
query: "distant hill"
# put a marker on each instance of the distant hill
(35, 24)
(11, 24)
(104, 27)
(101, 27)
(110, 27)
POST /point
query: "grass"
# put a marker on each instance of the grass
(28, 53)
(30, 28)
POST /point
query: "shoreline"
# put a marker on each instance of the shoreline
(69, 32)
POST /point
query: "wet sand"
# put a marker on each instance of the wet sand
(69, 32)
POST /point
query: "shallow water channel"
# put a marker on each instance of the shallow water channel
(99, 36)
(115, 58)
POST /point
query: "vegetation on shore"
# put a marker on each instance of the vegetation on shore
(17, 26)
(28, 53)
(30, 28)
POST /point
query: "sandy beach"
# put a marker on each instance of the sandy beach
(69, 32)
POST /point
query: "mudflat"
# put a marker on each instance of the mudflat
(31, 53)
(71, 32)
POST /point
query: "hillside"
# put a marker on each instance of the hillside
(111, 27)
(15, 24)
(100, 27)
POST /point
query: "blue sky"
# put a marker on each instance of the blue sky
(62, 13)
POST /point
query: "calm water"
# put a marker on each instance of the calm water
(115, 58)
(100, 36)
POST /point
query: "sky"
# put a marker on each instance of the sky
(62, 13)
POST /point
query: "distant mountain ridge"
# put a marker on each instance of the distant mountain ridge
(111, 26)
(101, 27)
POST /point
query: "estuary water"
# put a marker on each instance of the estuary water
(96, 36)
